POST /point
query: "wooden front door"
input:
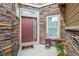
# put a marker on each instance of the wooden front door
(27, 29)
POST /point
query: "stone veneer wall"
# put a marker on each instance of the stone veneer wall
(62, 30)
(9, 30)
(52, 9)
(49, 10)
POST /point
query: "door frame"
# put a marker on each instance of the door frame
(38, 31)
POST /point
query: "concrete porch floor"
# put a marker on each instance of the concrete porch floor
(38, 50)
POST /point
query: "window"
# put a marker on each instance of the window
(28, 12)
(53, 26)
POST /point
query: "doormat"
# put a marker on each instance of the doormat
(27, 47)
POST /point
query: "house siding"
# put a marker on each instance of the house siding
(72, 14)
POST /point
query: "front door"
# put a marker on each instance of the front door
(27, 29)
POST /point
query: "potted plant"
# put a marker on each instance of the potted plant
(60, 49)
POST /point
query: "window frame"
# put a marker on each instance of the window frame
(58, 28)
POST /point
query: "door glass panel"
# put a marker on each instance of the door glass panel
(35, 29)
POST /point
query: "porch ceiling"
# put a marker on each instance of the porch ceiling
(38, 5)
